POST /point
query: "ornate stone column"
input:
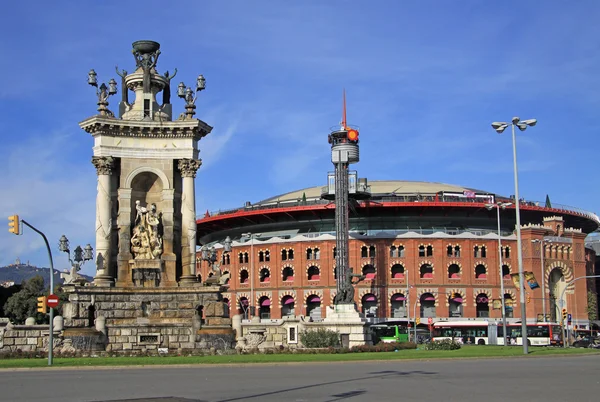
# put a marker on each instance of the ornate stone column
(104, 166)
(188, 169)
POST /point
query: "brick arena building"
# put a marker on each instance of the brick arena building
(428, 248)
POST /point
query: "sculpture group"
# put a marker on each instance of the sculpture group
(146, 241)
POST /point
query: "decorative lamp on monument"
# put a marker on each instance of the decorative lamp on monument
(80, 256)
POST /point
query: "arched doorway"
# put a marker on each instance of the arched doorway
(287, 306)
(482, 305)
(264, 310)
(398, 302)
(454, 271)
(556, 285)
(455, 305)
(314, 273)
(369, 305)
(480, 272)
(313, 307)
(427, 305)
(426, 271)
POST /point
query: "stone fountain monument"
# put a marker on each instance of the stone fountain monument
(145, 294)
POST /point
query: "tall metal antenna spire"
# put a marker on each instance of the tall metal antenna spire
(343, 124)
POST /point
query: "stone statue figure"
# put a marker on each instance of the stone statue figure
(346, 293)
(147, 61)
(167, 90)
(124, 89)
(146, 241)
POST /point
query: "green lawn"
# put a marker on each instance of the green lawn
(464, 352)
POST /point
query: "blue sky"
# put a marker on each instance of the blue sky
(424, 80)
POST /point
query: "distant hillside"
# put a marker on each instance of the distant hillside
(17, 273)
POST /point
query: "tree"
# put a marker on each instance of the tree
(23, 304)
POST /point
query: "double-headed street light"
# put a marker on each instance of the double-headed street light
(80, 256)
(489, 207)
(500, 127)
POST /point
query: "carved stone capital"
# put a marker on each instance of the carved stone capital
(103, 164)
(189, 167)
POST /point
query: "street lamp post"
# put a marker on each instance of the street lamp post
(499, 205)
(542, 251)
(500, 127)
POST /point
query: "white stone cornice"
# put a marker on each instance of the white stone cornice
(99, 125)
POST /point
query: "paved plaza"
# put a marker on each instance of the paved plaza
(476, 380)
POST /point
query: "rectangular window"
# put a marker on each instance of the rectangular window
(146, 107)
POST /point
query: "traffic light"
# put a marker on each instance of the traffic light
(564, 313)
(528, 298)
(417, 321)
(42, 307)
(13, 224)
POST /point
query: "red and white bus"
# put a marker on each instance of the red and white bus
(538, 334)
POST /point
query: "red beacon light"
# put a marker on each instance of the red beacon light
(353, 135)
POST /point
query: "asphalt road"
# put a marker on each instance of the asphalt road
(505, 380)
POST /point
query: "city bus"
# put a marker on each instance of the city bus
(389, 333)
(473, 332)
(538, 334)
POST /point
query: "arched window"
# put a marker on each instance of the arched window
(246, 258)
(314, 273)
(313, 307)
(482, 305)
(426, 271)
(421, 251)
(309, 254)
(506, 252)
(476, 252)
(241, 256)
(455, 308)
(454, 271)
(483, 251)
(317, 253)
(243, 307)
(505, 271)
(291, 254)
(397, 271)
(264, 309)
(287, 306)
(244, 276)
(372, 252)
(364, 252)
(400, 251)
(334, 253)
(267, 256)
(261, 256)
(393, 252)
(457, 251)
(429, 251)
(265, 275)
(427, 305)
(398, 302)
(369, 305)
(509, 305)
(369, 271)
(480, 272)
(288, 274)
(284, 255)
(449, 251)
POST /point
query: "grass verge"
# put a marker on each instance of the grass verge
(464, 352)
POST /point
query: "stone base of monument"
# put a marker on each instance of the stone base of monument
(144, 319)
(352, 327)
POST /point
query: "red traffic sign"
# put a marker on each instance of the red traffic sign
(52, 301)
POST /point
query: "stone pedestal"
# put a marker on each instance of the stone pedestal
(146, 273)
(352, 328)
